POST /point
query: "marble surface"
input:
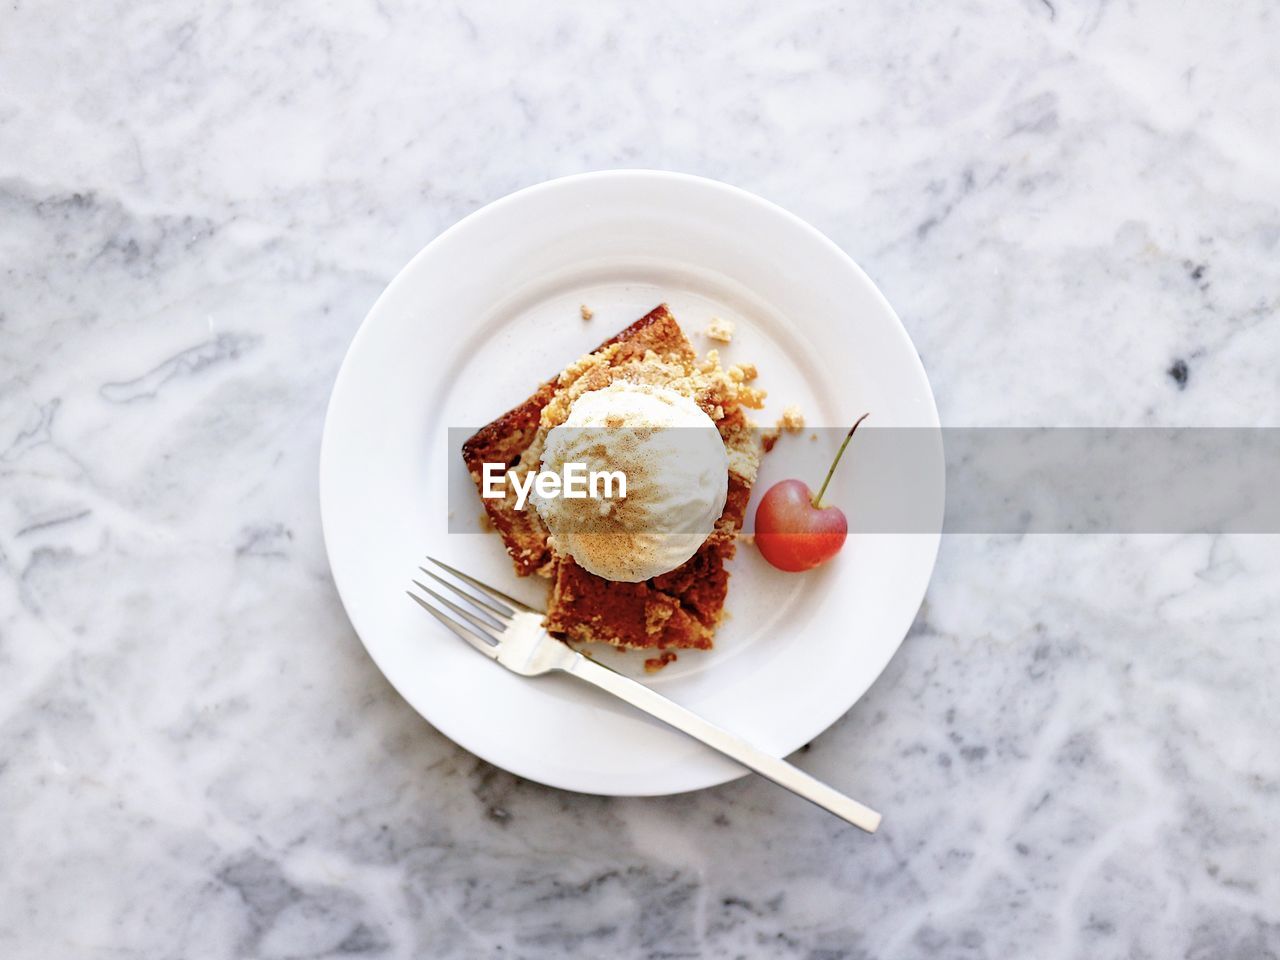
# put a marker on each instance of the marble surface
(1074, 207)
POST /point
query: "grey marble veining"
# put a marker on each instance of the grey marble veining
(1074, 207)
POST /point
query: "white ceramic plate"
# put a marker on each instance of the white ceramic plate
(490, 309)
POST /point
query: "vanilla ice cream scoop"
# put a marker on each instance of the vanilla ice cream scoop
(677, 478)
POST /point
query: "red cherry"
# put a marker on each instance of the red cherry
(794, 532)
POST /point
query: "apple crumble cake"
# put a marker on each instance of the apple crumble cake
(678, 609)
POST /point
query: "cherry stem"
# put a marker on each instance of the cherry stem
(817, 500)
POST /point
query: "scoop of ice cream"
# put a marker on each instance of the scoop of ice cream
(677, 478)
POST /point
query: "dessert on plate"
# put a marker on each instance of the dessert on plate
(645, 570)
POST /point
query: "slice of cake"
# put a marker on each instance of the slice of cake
(677, 609)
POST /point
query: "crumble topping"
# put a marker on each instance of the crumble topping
(714, 389)
(586, 312)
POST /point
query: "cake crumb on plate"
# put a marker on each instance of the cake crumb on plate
(586, 312)
(720, 329)
(792, 420)
(654, 664)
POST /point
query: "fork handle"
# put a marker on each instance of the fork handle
(770, 767)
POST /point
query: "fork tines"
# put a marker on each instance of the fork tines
(479, 619)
